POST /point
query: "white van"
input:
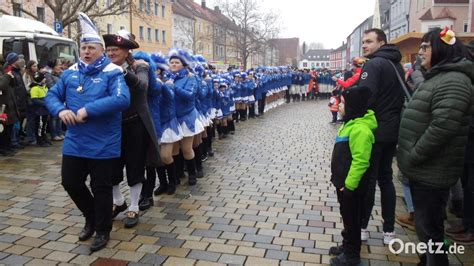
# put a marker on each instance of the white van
(35, 40)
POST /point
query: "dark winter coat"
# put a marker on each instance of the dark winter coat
(137, 81)
(21, 93)
(387, 94)
(7, 97)
(434, 127)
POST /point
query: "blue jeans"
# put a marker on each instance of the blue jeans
(56, 127)
(408, 199)
(15, 134)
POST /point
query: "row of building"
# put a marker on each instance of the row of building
(162, 24)
(404, 22)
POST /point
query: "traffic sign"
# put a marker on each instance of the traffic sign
(58, 26)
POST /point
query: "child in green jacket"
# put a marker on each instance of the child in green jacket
(350, 169)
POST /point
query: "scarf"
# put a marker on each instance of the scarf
(95, 67)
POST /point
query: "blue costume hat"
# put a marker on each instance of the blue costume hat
(89, 30)
(201, 60)
(160, 60)
(185, 58)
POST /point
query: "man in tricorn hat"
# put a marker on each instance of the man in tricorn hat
(89, 98)
(139, 138)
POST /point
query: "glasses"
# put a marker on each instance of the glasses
(423, 47)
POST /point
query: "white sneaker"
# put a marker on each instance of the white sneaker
(387, 237)
(364, 234)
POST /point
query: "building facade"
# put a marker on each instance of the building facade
(289, 50)
(428, 14)
(337, 57)
(316, 59)
(399, 18)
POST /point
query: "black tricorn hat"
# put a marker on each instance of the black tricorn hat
(122, 39)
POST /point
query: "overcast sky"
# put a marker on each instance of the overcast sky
(325, 21)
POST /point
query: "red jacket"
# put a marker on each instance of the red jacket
(350, 81)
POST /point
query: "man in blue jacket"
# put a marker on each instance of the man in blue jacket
(89, 98)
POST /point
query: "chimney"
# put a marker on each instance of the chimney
(217, 9)
(203, 3)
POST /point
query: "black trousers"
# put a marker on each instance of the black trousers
(135, 141)
(334, 116)
(381, 173)
(350, 209)
(468, 188)
(429, 204)
(261, 103)
(95, 206)
(5, 141)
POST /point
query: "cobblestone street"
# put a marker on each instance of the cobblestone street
(266, 199)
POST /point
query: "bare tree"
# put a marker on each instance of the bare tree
(66, 10)
(255, 26)
(186, 28)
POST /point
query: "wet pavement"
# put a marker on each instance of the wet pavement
(266, 199)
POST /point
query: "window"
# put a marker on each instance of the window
(317, 63)
(157, 9)
(466, 27)
(40, 13)
(163, 11)
(305, 64)
(107, 3)
(175, 43)
(122, 27)
(163, 36)
(149, 34)
(109, 29)
(199, 27)
(142, 33)
(17, 10)
(312, 64)
(141, 6)
(327, 64)
(148, 7)
(157, 35)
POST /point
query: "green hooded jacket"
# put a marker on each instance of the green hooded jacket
(434, 126)
(352, 151)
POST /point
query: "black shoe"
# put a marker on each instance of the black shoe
(17, 147)
(131, 220)
(342, 259)
(87, 231)
(118, 209)
(171, 190)
(210, 153)
(160, 190)
(100, 241)
(7, 153)
(204, 158)
(192, 180)
(145, 204)
(199, 174)
(336, 250)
